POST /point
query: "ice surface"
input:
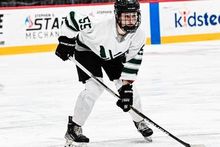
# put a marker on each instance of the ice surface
(179, 85)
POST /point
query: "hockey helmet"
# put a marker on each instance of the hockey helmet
(123, 6)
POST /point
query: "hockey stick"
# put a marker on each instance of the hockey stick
(135, 110)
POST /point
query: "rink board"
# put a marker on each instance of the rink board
(36, 29)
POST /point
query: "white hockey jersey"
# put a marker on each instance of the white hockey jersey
(102, 38)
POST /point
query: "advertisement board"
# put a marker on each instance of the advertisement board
(28, 30)
(36, 29)
(2, 42)
(189, 21)
(40, 25)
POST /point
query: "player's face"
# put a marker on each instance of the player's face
(128, 19)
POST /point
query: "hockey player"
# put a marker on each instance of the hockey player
(116, 45)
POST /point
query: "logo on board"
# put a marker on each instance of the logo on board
(42, 26)
(195, 19)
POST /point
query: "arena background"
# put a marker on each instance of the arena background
(34, 26)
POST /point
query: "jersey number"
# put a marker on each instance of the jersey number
(84, 23)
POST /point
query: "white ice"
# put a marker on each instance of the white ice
(179, 85)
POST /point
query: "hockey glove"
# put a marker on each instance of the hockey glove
(65, 48)
(126, 97)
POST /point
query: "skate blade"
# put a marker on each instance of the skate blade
(148, 139)
(70, 143)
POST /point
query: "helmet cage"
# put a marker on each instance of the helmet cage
(123, 6)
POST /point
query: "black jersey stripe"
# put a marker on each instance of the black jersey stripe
(72, 17)
(80, 43)
(69, 26)
(141, 51)
(130, 71)
(135, 61)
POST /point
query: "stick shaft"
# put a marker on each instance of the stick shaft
(135, 110)
(160, 128)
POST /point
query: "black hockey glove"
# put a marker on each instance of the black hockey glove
(126, 97)
(65, 48)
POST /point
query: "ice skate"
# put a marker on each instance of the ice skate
(144, 130)
(74, 136)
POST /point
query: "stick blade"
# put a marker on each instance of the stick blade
(198, 145)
